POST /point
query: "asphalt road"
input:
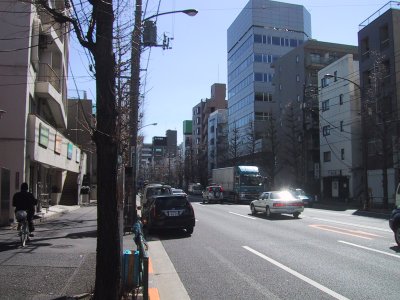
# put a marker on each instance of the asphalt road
(60, 260)
(323, 255)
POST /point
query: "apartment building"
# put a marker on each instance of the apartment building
(217, 140)
(33, 89)
(296, 111)
(200, 117)
(379, 48)
(340, 130)
(262, 32)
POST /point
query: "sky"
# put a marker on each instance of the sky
(177, 79)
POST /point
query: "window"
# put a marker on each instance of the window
(258, 38)
(276, 41)
(324, 82)
(342, 154)
(341, 99)
(262, 116)
(365, 48)
(327, 156)
(341, 125)
(384, 36)
(325, 105)
(297, 59)
(335, 76)
(326, 130)
(298, 78)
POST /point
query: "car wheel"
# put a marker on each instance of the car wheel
(189, 230)
(397, 234)
(268, 212)
(296, 215)
(253, 209)
(204, 200)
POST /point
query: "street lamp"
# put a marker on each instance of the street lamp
(190, 12)
(364, 139)
(152, 124)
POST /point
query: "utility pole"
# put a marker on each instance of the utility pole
(134, 111)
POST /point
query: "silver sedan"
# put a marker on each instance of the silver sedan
(277, 202)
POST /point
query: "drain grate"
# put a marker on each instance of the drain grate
(61, 246)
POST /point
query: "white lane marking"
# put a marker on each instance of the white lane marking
(242, 215)
(370, 249)
(298, 275)
(352, 224)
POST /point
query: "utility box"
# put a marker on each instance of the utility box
(130, 269)
(149, 34)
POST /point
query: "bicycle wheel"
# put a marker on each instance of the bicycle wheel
(24, 233)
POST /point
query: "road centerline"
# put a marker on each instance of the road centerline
(297, 274)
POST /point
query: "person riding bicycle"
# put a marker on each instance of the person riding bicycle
(25, 200)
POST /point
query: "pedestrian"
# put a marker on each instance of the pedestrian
(25, 200)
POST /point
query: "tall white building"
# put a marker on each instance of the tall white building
(340, 130)
(33, 94)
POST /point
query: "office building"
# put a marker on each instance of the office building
(263, 32)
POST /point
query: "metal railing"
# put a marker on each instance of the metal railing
(142, 247)
(47, 74)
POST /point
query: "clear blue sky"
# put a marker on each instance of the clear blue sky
(177, 79)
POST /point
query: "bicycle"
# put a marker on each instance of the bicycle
(23, 228)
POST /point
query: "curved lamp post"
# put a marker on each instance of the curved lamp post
(364, 139)
(190, 12)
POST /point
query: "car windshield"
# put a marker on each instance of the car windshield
(300, 192)
(177, 191)
(171, 202)
(156, 191)
(251, 180)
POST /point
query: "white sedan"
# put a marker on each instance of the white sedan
(277, 202)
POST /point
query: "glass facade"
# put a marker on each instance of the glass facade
(263, 31)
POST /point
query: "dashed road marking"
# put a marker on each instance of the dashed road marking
(297, 274)
(370, 249)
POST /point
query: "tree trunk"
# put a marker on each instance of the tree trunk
(108, 262)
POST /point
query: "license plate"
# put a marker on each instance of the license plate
(173, 213)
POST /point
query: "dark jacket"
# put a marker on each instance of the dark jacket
(24, 200)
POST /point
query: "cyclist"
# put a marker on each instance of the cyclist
(25, 200)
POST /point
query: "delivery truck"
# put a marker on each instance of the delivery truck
(241, 184)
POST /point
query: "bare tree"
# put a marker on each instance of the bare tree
(250, 139)
(271, 152)
(382, 122)
(93, 24)
(292, 144)
(234, 145)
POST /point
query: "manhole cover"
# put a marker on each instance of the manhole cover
(61, 246)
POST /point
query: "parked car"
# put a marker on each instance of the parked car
(180, 192)
(277, 202)
(301, 194)
(212, 194)
(154, 189)
(394, 223)
(169, 212)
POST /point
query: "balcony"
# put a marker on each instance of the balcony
(48, 86)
